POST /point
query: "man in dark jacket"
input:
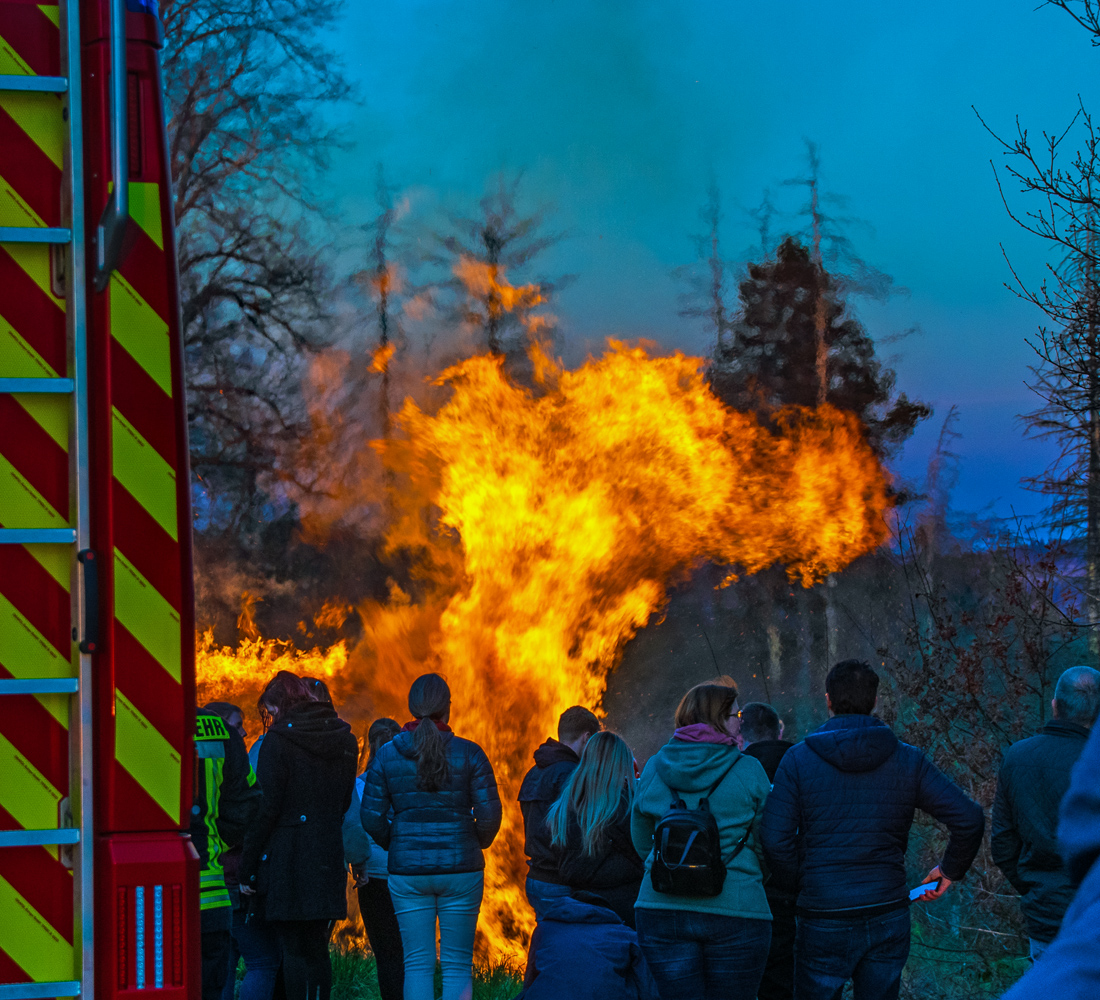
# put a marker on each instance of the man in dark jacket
(836, 827)
(554, 762)
(1070, 967)
(227, 799)
(1033, 781)
(582, 951)
(762, 731)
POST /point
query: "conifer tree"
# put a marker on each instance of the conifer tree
(770, 358)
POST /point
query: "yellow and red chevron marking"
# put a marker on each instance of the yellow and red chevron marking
(150, 735)
(36, 892)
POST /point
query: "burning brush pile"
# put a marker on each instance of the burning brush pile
(544, 526)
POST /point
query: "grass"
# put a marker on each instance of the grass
(354, 978)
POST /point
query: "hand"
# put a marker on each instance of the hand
(360, 876)
(247, 890)
(935, 875)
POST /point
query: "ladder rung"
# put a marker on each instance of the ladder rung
(36, 385)
(34, 991)
(30, 536)
(42, 84)
(33, 234)
(39, 838)
(39, 685)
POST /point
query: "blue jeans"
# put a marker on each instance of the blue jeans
(541, 893)
(456, 900)
(262, 957)
(695, 955)
(870, 952)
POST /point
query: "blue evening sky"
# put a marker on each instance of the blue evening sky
(620, 111)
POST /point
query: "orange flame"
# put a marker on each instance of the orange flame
(488, 281)
(223, 673)
(380, 359)
(547, 528)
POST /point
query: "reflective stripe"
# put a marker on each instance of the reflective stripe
(39, 115)
(145, 209)
(25, 935)
(21, 505)
(25, 652)
(214, 768)
(14, 211)
(151, 760)
(138, 328)
(34, 260)
(150, 480)
(25, 792)
(148, 616)
(53, 12)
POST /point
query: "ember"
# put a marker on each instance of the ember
(547, 527)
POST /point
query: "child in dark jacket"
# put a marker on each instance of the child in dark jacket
(583, 951)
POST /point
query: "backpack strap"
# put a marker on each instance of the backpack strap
(713, 788)
(725, 774)
(739, 846)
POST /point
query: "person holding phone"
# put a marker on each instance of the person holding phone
(835, 830)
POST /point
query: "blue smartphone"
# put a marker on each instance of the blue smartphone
(920, 890)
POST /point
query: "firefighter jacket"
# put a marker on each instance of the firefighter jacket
(227, 799)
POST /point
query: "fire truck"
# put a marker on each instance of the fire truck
(98, 879)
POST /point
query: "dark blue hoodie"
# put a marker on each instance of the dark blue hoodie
(581, 951)
(1070, 968)
(836, 824)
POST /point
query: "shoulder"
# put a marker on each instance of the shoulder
(458, 746)
(1023, 750)
(753, 773)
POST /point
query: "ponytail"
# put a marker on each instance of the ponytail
(429, 701)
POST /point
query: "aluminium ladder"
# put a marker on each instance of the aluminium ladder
(76, 840)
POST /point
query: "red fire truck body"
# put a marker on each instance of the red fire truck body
(98, 879)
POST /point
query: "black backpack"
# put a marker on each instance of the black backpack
(687, 848)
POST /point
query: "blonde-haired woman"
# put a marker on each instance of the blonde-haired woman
(710, 947)
(590, 824)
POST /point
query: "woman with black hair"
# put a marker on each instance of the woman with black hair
(445, 812)
(292, 866)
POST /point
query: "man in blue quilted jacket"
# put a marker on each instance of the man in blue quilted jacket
(835, 830)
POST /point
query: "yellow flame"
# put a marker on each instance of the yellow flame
(545, 528)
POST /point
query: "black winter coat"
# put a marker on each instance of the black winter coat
(1033, 781)
(836, 823)
(614, 872)
(294, 852)
(430, 833)
(769, 753)
(542, 785)
(1070, 967)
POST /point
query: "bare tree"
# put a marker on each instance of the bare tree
(480, 253)
(1061, 192)
(382, 281)
(248, 83)
(709, 277)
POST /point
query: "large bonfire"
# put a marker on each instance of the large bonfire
(546, 525)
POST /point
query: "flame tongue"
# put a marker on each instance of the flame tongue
(547, 528)
(564, 517)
